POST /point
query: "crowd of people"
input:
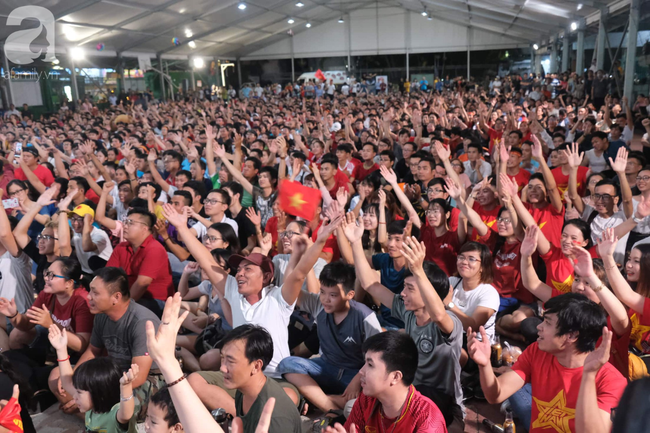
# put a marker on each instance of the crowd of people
(158, 266)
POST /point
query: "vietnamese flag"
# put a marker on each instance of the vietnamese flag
(319, 74)
(299, 200)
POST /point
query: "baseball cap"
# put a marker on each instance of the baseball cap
(82, 210)
(255, 258)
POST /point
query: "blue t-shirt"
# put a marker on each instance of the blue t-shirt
(392, 279)
(612, 150)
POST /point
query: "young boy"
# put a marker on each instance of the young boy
(161, 414)
(342, 325)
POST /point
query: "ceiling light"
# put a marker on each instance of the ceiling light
(300, 4)
(70, 33)
(429, 18)
(241, 6)
(192, 44)
(308, 25)
(55, 61)
(574, 25)
(290, 21)
(188, 33)
(535, 47)
(341, 20)
(182, 11)
(198, 62)
(424, 13)
(579, 6)
(77, 53)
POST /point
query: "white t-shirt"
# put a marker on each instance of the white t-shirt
(484, 295)
(599, 224)
(201, 230)
(271, 312)
(345, 89)
(281, 261)
(16, 280)
(104, 248)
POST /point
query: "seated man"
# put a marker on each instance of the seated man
(92, 245)
(246, 351)
(389, 402)
(119, 329)
(342, 326)
(554, 366)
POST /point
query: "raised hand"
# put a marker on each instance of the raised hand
(219, 150)
(452, 188)
(389, 175)
(342, 197)
(108, 187)
(162, 344)
(353, 229)
(508, 186)
(414, 253)
(607, 243)
(266, 244)
(254, 216)
(574, 158)
(58, 338)
(529, 244)
(8, 307)
(176, 219)
(643, 208)
(583, 264)
(443, 153)
(504, 153)
(536, 150)
(328, 227)
(382, 197)
(479, 351)
(46, 199)
(160, 227)
(191, 267)
(619, 164)
(152, 156)
(599, 357)
(129, 376)
(39, 316)
(63, 204)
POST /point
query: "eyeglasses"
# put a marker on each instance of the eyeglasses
(76, 220)
(603, 197)
(49, 275)
(456, 165)
(504, 220)
(471, 260)
(45, 238)
(11, 194)
(643, 178)
(434, 191)
(130, 222)
(288, 234)
(207, 238)
(431, 212)
(212, 201)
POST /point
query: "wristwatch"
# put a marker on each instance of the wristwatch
(450, 306)
(636, 220)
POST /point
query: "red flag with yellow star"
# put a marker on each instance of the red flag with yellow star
(299, 200)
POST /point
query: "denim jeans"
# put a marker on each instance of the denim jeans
(331, 379)
(521, 403)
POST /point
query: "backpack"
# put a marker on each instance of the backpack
(210, 337)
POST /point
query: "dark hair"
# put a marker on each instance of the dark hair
(224, 195)
(476, 146)
(389, 154)
(599, 134)
(639, 156)
(273, 173)
(576, 313)
(235, 188)
(101, 378)
(516, 149)
(397, 228)
(397, 350)
(115, 280)
(83, 183)
(228, 235)
(8, 365)
(174, 155)
(16, 182)
(429, 160)
(609, 182)
(371, 208)
(258, 342)
(330, 159)
(256, 162)
(643, 285)
(444, 204)
(345, 147)
(374, 146)
(436, 276)
(157, 189)
(145, 213)
(70, 269)
(186, 196)
(163, 400)
(185, 173)
(487, 275)
(632, 413)
(197, 187)
(338, 273)
(518, 132)
(299, 155)
(583, 227)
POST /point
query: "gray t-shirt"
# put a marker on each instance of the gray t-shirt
(126, 338)
(285, 417)
(438, 353)
(214, 303)
(280, 263)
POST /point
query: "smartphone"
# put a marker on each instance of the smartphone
(10, 203)
(19, 148)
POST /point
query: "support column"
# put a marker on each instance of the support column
(10, 89)
(407, 43)
(538, 64)
(171, 87)
(469, 47)
(293, 69)
(163, 96)
(348, 33)
(565, 52)
(580, 53)
(120, 72)
(600, 41)
(73, 79)
(239, 72)
(192, 78)
(630, 58)
(554, 56)
(532, 59)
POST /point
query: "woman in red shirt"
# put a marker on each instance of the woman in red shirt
(442, 244)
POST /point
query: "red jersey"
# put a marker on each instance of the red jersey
(489, 217)
(494, 137)
(562, 180)
(420, 415)
(331, 245)
(42, 173)
(90, 195)
(549, 221)
(521, 178)
(441, 250)
(506, 268)
(150, 260)
(555, 389)
(360, 172)
(559, 270)
(341, 182)
(74, 316)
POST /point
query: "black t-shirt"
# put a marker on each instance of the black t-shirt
(6, 390)
(401, 169)
(245, 227)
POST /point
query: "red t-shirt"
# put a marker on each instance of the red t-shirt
(420, 415)
(549, 221)
(521, 178)
(506, 268)
(555, 389)
(489, 217)
(640, 327)
(494, 136)
(42, 173)
(149, 260)
(360, 172)
(559, 270)
(562, 180)
(74, 316)
(442, 250)
(331, 245)
(341, 182)
(272, 227)
(90, 195)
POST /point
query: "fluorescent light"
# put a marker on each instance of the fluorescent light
(290, 21)
(424, 13)
(242, 6)
(198, 62)
(188, 33)
(70, 33)
(429, 18)
(308, 25)
(579, 6)
(55, 61)
(574, 25)
(192, 44)
(535, 47)
(182, 11)
(300, 4)
(77, 53)
(341, 20)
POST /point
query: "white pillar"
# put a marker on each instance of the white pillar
(469, 47)
(10, 89)
(73, 78)
(239, 72)
(407, 42)
(602, 34)
(554, 56)
(293, 70)
(630, 59)
(163, 96)
(538, 64)
(580, 53)
(192, 78)
(565, 52)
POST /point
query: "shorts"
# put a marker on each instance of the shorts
(331, 379)
(216, 378)
(144, 392)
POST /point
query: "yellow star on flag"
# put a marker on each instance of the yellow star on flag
(554, 414)
(638, 332)
(297, 201)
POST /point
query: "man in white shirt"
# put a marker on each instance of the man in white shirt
(331, 88)
(345, 89)
(215, 205)
(92, 245)
(476, 168)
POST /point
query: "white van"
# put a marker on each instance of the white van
(337, 77)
